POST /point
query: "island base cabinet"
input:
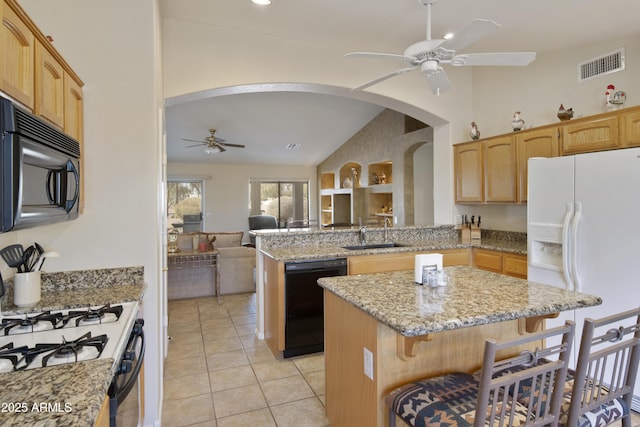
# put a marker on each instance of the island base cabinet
(352, 398)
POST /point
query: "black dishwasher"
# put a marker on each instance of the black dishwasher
(304, 303)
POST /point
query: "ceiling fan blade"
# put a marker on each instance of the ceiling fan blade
(222, 149)
(385, 77)
(472, 32)
(194, 140)
(196, 145)
(438, 81)
(505, 58)
(380, 55)
(218, 140)
(231, 145)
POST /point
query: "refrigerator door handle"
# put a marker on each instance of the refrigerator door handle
(566, 248)
(574, 247)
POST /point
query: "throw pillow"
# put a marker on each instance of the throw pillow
(226, 240)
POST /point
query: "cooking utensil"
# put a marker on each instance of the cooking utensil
(27, 259)
(1, 286)
(13, 256)
(39, 250)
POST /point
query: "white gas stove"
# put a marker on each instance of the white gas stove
(36, 340)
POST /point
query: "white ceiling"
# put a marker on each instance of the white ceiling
(267, 122)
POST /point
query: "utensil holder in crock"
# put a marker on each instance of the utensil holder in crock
(26, 289)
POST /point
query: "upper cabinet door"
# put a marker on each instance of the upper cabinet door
(50, 87)
(73, 108)
(590, 135)
(534, 143)
(630, 129)
(468, 168)
(16, 57)
(500, 170)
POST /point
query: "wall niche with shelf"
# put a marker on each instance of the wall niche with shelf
(327, 181)
(346, 175)
(380, 204)
(381, 173)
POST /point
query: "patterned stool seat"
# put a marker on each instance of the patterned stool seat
(605, 414)
(449, 400)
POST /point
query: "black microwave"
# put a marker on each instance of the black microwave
(40, 175)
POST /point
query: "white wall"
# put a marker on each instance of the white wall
(226, 190)
(551, 79)
(113, 46)
(423, 185)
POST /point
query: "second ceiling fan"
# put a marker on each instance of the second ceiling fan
(429, 54)
(212, 143)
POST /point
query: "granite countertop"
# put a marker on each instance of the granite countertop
(72, 393)
(333, 251)
(472, 297)
(77, 298)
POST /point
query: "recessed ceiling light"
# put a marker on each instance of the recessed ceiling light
(262, 2)
(293, 146)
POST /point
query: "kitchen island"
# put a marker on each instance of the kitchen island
(382, 331)
(71, 393)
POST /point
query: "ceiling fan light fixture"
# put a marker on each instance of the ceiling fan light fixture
(212, 150)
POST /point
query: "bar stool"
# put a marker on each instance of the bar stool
(606, 371)
(499, 395)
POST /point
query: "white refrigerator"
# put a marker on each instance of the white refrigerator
(583, 233)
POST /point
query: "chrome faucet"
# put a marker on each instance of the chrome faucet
(387, 222)
(363, 234)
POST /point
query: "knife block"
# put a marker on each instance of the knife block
(465, 234)
(475, 234)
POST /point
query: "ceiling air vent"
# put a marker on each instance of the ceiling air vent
(606, 64)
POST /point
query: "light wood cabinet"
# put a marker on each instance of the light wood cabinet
(274, 304)
(468, 170)
(500, 262)
(500, 169)
(17, 56)
(35, 74)
(514, 265)
(402, 261)
(49, 78)
(630, 129)
(594, 134)
(103, 416)
(543, 142)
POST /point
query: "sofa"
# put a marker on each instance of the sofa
(236, 263)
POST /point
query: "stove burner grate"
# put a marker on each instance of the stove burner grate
(9, 356)
(23, 325)
(92, 316)
(66, 351)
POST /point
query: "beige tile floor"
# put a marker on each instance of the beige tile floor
(217, 374)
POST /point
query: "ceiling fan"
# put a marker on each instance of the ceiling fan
(212, 143)
(429, 54)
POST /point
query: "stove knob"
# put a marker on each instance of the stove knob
(129, 355)
(125, 367)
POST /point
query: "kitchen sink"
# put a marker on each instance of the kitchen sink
(373, 246)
